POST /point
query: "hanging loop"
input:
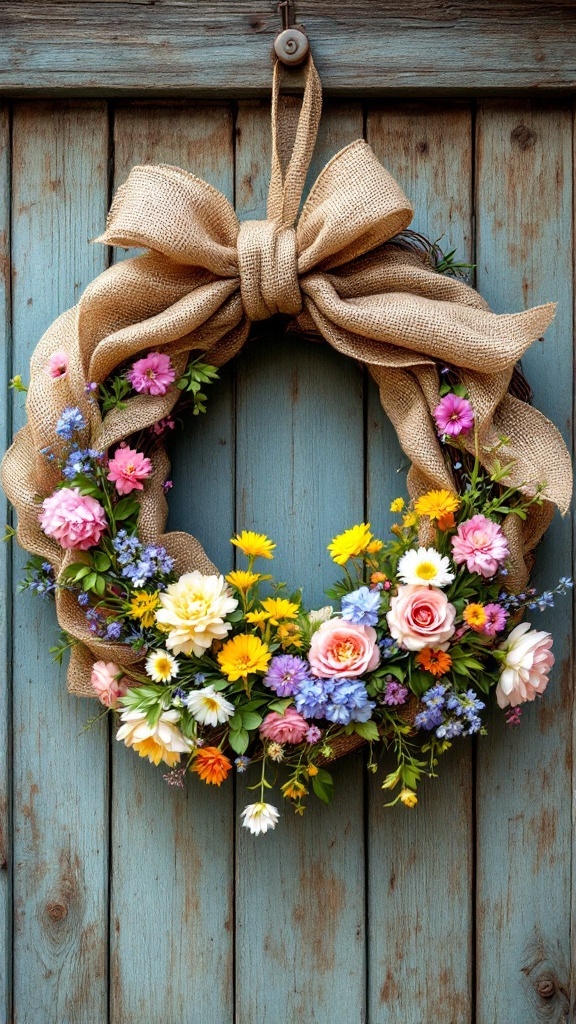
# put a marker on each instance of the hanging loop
(291, 46)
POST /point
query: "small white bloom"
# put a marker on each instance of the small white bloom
(259, 817)
(426, 566)
(161, 666)
(320, 615)
(209, 707)
(275, 752)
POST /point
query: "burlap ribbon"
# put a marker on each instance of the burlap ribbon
(205, 278)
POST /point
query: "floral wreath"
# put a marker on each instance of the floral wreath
(203, 670)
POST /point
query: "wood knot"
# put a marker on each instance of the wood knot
(57, 911)
(523, 137)
(422, 146)
(546, 986)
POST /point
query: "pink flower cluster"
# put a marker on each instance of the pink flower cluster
(58, 364)
(343, 650)
(152, 375)
(481, 544)
(290, 727)
(127, 469)
(527, 665)
(75, 520)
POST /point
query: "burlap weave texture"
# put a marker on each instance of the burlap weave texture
(205, 278)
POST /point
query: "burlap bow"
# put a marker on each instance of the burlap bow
(204, 280)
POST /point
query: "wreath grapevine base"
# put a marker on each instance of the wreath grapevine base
(201, 670)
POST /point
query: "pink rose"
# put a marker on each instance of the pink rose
(152, 375)
(58, 365)
(481, 544)
(342, 650)
(127, 470)
(420, 617)
(287, 728)
(75, 520)
(107, 686)
(526, 666)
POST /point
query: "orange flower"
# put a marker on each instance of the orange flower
(378, 577)
(446, 522)
(436, 662)
(474, 616)
(212, 765)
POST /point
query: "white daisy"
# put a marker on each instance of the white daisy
(259, 817)
(161, 666)
(426, 566)
(209, 707)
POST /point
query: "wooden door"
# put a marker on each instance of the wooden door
(127, 901)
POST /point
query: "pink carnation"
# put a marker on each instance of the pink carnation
(287, 728)
(528, 662)
(127, 469)
(75, 520)
(453, 415)
(421, 617)
(152, 375)
(343, 650)
(58, 365)
(481, 544)
(108, 687)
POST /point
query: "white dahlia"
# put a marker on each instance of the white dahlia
(424, 566)
(193, 611)
(527, 665)
(259, 817)
(209, 707)
(160, 742)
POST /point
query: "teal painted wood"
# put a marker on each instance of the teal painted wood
(60, 776)
(172, 852)
(5, 582)
(524, 825)
(420, 861)
(300, 949)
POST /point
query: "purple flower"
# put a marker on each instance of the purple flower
(113, 630)
(361, 606)
(313, 735)
(453, 415)
(395, 693)
(286, 673)
(496, 617)
(70, 421)
(241, 763)
(513, 715)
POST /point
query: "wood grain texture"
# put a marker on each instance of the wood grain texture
(524, 824)
(420, 862)
(60, 775)
(5, 588)
(216, 47)
(300, 914)
(172, 892)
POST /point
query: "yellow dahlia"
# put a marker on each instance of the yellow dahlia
(436, 504)
(193, 612)
(143, 606)
(254, 545)
(161, 742)
(242, 579)
(350, 544)
(242, 655)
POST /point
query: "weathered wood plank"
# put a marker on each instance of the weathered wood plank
(300, 916)
(172, 943)
(420, 871)
(524, 254)
(5, 580)
(60, 776)
(211, 47)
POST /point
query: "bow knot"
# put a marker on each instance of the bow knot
(268, 266)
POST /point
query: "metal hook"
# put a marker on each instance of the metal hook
(284, 8)
(291, 45)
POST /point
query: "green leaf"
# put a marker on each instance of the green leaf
(235, 723)
(280, 705)
(100, 586)
(323, 786)
(239, 741)
(420, 682)
(101, 561)
(125, 508)
(89, 581)
(368, 730)
(250, 720)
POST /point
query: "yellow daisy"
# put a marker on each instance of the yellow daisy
(143, 606)
(242, 655)
(161, 666)
(257, 619)
(408, 798)
(474, 615)
(409, 520)
(242, 579)
(436, 504)
(279, 608)
(397, 505)
(254, 545)
(350, 544)
(374, 546)
(289, 635)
